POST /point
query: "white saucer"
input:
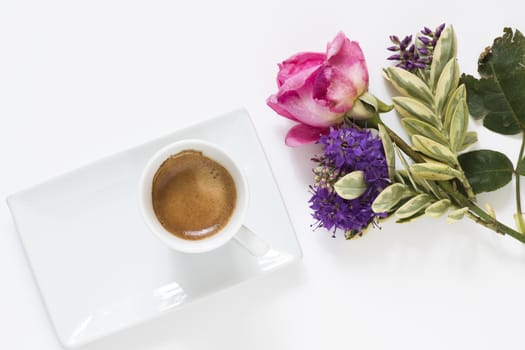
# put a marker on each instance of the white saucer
(98, 267)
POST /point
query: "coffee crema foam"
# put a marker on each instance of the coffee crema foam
(193, 196)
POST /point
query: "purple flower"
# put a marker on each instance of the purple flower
(345, 150)
(418, 55)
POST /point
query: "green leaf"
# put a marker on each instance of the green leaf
(445, 50)
(457, 215)
(438, 208)
(521, 167)
(475, 91)
(418, 127)
(486, 101)
(390, 197)
(409, 107)
(351, 185)
(434, 150)
(390, 155)
(499, 95)
(414, 206)
(409, 84)
(486, 170)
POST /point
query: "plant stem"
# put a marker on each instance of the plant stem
(466, 186)
(486, 220)
(519, 217)
(476, 213)
(403, 145)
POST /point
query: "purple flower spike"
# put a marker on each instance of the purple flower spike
(394, 57)
(406, 41)
(394, 39)
(346, 150)
(417, 55)
(439, 29)
(426, 31)
(424, 40)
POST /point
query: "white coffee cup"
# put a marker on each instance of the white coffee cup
(234, 227)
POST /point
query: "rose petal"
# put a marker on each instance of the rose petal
(273, 103)
(343, 77)
(298, 63)
(347, 57)
(298, 81)
(333, 47)
(335, 90)
(317, 89)
(278, 102)
(294, 100)
(302, 134)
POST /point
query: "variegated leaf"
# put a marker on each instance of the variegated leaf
(400, 176)
(411, 218)
(351, 185)
(419, 127)
(409, 107)
(390, 197)
(445, 50)
(490, 211)
(446, 85)
(403, 174)
(409, 84)
(520, 224)
(434, 171)
(407, 167)
(457, 215)
(438, 208)
(389, 151)
(434, 150)
(431, 160)
(433, 188)
(460, 94)
(422, 184)
(471, 137)
(458, 126)
(427, 185)
(414, 206)
(354, 234)
(377, 104)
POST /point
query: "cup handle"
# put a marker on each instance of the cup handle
(251, 242)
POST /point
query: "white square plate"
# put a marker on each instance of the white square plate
(98, 267)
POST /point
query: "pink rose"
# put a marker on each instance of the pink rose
(317, 89)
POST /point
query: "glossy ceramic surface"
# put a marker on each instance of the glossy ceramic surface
(98, 267)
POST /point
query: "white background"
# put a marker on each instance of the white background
(80, 80)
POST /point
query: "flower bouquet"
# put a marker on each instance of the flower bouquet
(367, 172)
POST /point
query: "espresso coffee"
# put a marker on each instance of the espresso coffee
(193, 196)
